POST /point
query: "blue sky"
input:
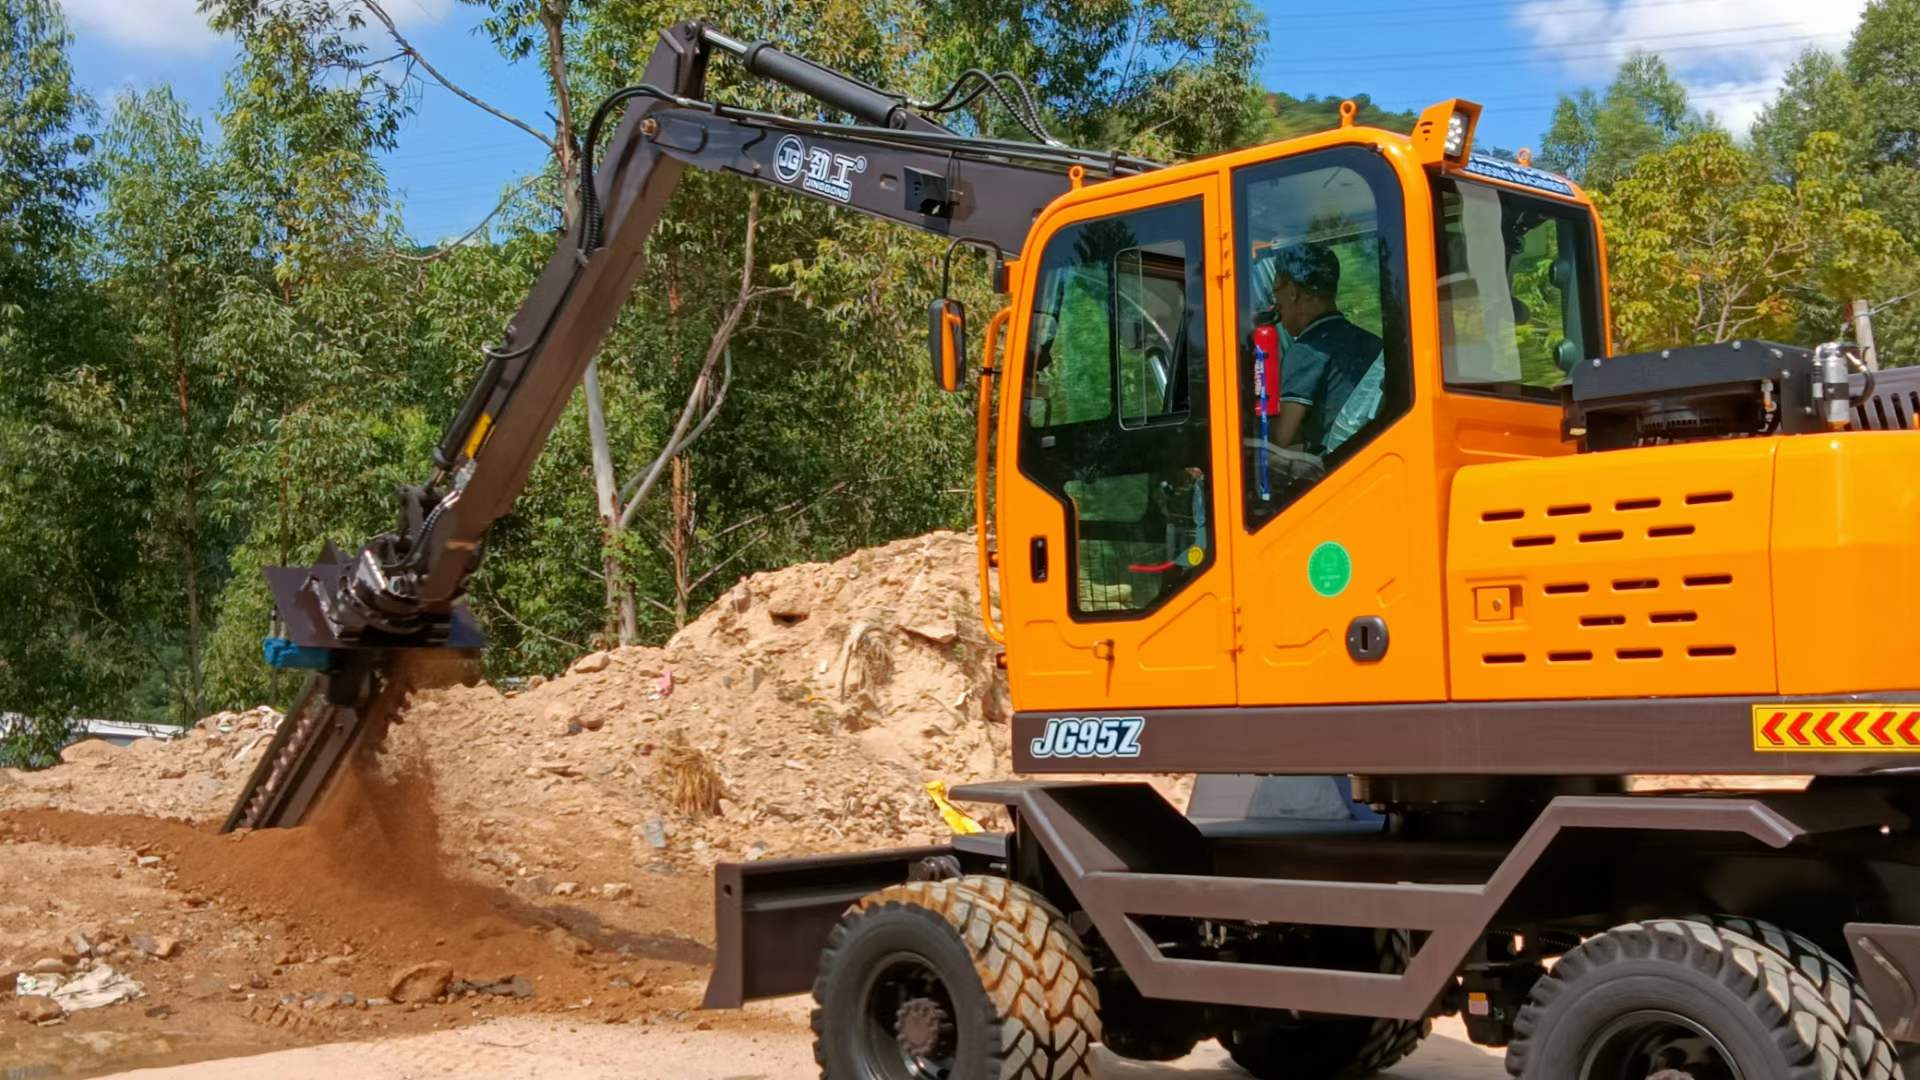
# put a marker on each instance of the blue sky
(1513, 56)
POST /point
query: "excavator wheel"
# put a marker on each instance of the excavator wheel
(971, 978)
(1877, 1056)
(1682, 998)
(1290, 1045)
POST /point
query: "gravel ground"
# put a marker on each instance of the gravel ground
(763, 1042)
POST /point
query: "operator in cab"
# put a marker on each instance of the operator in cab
(1330, 376)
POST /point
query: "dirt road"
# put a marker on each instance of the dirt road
(764, 1042)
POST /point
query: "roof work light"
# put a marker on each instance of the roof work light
(1444, 133)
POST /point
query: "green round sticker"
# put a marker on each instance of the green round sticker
(1329, 569)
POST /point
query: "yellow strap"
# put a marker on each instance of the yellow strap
(960, 823)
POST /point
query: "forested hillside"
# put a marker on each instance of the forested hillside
(220, 347)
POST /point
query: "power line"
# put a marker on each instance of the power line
(1612, 50)
(1415, 54)
(1507, 9)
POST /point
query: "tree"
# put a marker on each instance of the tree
(1706, 247)
(1299, 116)
(167, 243)
(1597, 140)
(61, 654)
(1816, 95)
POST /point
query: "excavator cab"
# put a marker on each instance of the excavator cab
(1233, 399)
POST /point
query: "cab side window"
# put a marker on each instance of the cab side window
(1324, 356)
(1113, 417)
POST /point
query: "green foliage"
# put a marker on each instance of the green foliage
(1710, 239)
(1708, 247)
(29, 743)
(1300, 116)
(1596, 139)
(222, 353)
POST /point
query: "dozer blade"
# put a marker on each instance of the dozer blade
(331, 714)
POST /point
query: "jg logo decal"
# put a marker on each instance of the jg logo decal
(1094, 737)
(819, 170)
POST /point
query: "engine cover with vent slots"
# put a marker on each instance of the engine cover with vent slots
(1623, 574)
(1697, 392)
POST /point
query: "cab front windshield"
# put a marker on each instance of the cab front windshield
(1519, 292)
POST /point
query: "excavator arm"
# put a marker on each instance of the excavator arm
(349, 620)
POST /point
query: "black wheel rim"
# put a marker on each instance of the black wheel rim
(1655, 1043)
(906, 1020)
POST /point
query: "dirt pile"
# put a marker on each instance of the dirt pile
(805, 711)
(542, 847)
(194, 777)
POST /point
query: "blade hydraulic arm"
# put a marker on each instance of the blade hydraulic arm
(405, 588)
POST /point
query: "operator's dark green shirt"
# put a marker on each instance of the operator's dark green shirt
(1321, 369)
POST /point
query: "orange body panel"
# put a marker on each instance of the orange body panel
(1383, 507)
(1846, 562)
(1179, 655)
(1633, 573)
(1506, 567)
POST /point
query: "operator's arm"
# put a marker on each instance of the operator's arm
(1302, 377)
(1293, 417)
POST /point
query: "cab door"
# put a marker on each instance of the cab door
(1336, 520)
(1115, 582)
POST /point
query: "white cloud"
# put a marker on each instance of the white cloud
(164, 25)
(1731, 54)
(176, 26)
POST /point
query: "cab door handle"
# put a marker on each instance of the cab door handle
(1037, 558)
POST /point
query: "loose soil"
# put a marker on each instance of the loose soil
(561, 831)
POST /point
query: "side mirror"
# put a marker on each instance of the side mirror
(947, 342)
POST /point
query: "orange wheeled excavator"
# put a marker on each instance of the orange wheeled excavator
(1312, 472)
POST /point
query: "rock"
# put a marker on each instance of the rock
(536, 682)
(421, 982)
(162, 947)
(50, 965)
(942, 630)
(99, 751)
(514, 986)
(554, 767)
(566, 888)
(146, 862)
(35, 1009)
(755, 851)
(593, 723)
(173, 772)
(568, 942)
(618, 890)
(656, 832)
(81, 946)
(590, 663)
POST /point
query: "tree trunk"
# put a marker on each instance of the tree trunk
(622, 613)
(680, 541)
(189, 531)
(553, 17)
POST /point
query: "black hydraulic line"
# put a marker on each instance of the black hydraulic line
(1026, 114)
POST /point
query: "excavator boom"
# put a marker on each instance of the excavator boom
(345, 619)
